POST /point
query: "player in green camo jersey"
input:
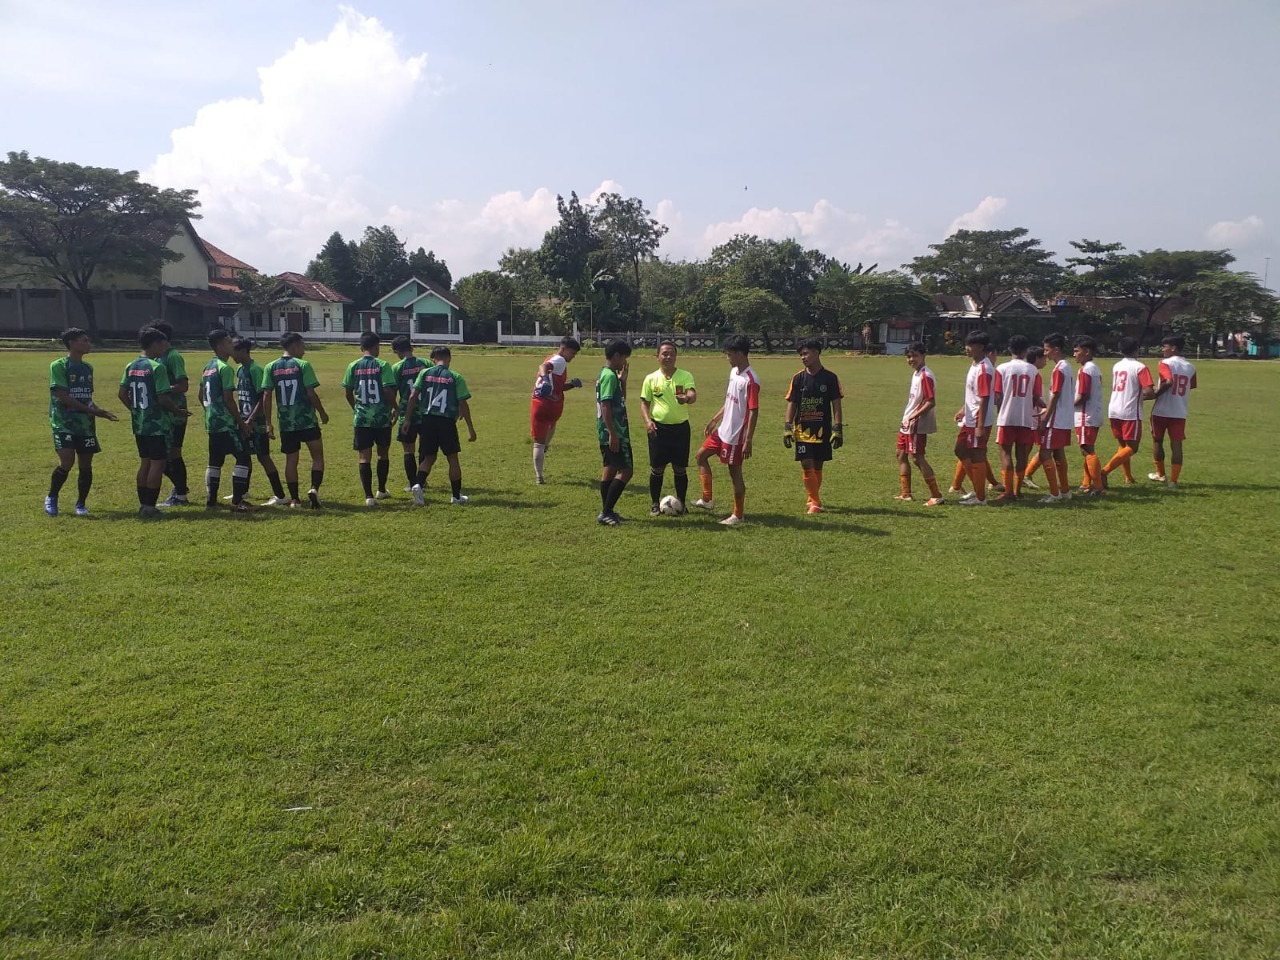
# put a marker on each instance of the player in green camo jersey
(612, 430)
(225, 425)
(371, 392)
(176, 468)
(406, 370)
(250, 393)
(71, 415)
(145, 389)
(441, 395)
(290, 384)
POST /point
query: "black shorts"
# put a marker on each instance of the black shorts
(820, 452)
(258, 444)
(366, 438)
(177, 433)
(620, 460)
(439, 433)
(408, 432)
(72, 441)
(291, 441)
(670, 445)
(155, 447)
(224, 444)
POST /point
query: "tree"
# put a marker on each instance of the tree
(756, 309)
(846, 298)
(1154, 278)
(381, 262)
(69, 223)
(424, 265)
(782, 267)
(565, 256)
(1231, 301)
(261, 294)
(335, 267)
(629, 233)
(486, 297)
(983, 264)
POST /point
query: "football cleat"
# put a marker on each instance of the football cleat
(51, 506)
(275, 501)
(240, 507)
(418, 496)
(381, 495)
(904, 498)
(704, 504)
(177, 500)
(934, 502)
(732, 520)
(81, 510)
(1030, 484)
(973, 502)
(313, 496)
(460, 498)
(1157, 478)
(655, 511)
(370, 502)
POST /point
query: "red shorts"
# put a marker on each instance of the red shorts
(912, 443)
(1017, 436)
(1086, 436)
(1126, 431)
(730, 456)
(1055, 438)
(971, 440)
(542, 418)
(1175, 426)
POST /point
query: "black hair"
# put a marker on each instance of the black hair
(571, 343)
(1034, 354)
(243, 343)
(369, 340)
(737, 343)
(402, 344)
(149, 335)
(440, 351)
(287, 340)
(72, 333)
(813, 343)
(667, 343)
(1087, 343)
(218, 334)
(164, 326)
(1175, 340)
(978, 337)
(1018, 344)
(916, 346)
(615, 347)
(1128, 346)
(1056, 340)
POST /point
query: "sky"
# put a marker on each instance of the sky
(868, 129)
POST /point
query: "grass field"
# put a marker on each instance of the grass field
(501, 730)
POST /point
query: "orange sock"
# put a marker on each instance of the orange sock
(739, 502)
(905, 480)
(978, 474)
(932, 481)
(1051, 475)
(812, 482)
(1063, 484)
(1120, 459)
(1175, 471)
(1006, 478)
(962, 471)
(1033, 465)
(1128, 470)
(1094, 466)
(1159, 467)
(817, 487)
(704, 475)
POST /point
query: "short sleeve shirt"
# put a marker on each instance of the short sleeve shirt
(145, 380)
(176, 368)
(440, 390)
(216, 378)
(249, 380)
(406, 372)
(373, 382)
(741, 396)
(813, 394)
(75, 377)
(659, 391)
(1180, 374)
(609, 394)
(923, 388)
(550, 388)
(289, 378)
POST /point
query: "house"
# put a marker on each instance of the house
(420, 308)
(305, 306)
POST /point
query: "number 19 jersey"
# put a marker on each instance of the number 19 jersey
(374, 384)
(288, 379)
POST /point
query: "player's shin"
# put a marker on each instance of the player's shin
(84, 482)
(410, 467)
(366, 479)
(384, 471)
(681, 478)
(212, 480)
(57, 480)
(240, 479)
(655, 484)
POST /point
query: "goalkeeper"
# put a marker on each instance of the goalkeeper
(815, 421)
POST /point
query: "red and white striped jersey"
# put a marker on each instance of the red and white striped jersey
(1128, 377)
(742, 394)
(1018, 383)
(1088, 405)
(979, 388)
(923, 388)
(1181, 374)
(1063, 382)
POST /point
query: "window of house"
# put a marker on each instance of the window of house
(900, 336)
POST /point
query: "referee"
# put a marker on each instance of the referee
(664, 400)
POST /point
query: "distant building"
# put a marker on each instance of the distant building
(420, 308)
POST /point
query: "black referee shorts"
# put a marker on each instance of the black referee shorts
(670, 445)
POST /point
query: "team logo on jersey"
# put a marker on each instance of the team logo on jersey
(822, 389)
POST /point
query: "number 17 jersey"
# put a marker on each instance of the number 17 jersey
(288, 379)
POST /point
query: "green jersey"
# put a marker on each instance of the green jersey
(374, 384)
(146, 380)
(217, 378)
(289, 378)
(176, 369)
(406, 372)
(249, 380)
(609, 392)
(75, 377)
(439, 392)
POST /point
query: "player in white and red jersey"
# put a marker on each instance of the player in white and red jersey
(1087, 405)
(1057, 419)
(1019, 394)
(962, 465)
(919, 419)
(1169, 413)
(547, 403)
(971, 444)
(1131, 383)
(730, 431)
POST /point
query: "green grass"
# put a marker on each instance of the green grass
(883, 732)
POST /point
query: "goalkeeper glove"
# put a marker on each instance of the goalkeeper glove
(837, 436)
(788, 435)
(575, 383)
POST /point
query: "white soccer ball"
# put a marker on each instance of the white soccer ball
(671, 506)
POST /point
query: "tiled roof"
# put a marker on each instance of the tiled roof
(198, 298)
(311, 289)
(224, 259)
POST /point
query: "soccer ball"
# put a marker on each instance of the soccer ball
(671, 506)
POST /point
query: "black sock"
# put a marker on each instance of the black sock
(615, 491)
(240, 474)
(212, 479)
(410, 467)
(604, 495)
(57, 480)
(142, 496)
(419, 479)
(456, 486)
(655, 486)
(317, 478)
(152, 494)
(84, 482)
(178, 476)
(366, 478)
(682, 486)
(384, 470)
(274, 479)
(293, 490)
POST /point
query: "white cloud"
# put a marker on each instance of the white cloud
(275, 175)
(981, 217)
(1236, 233)
(470, 237)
